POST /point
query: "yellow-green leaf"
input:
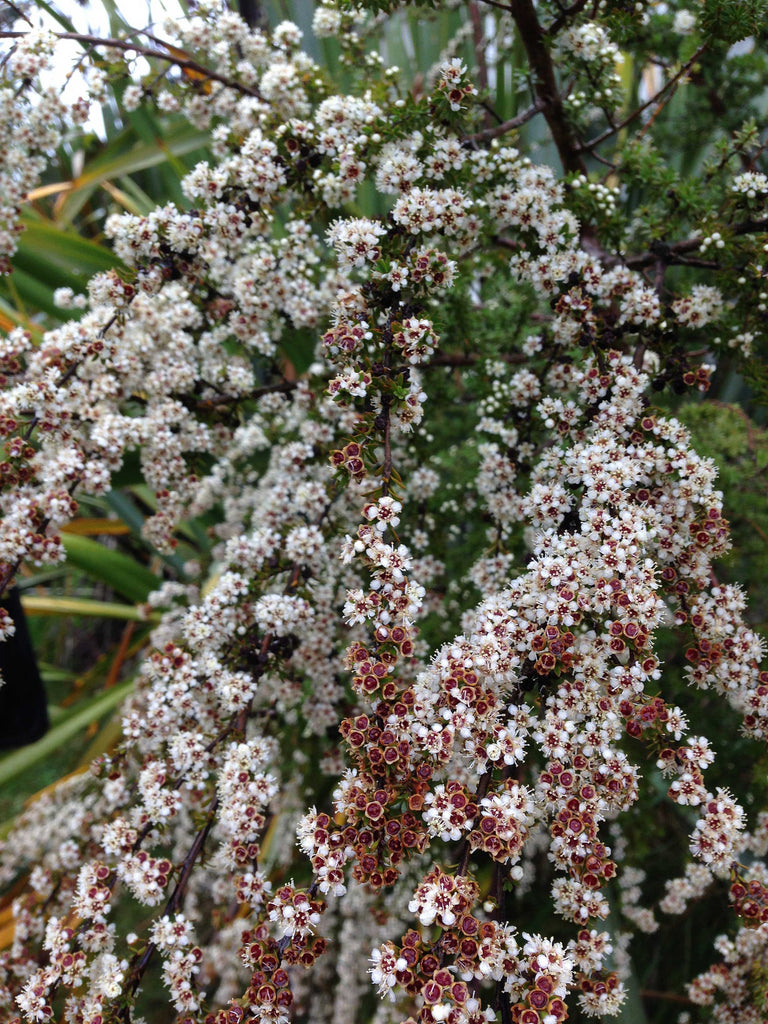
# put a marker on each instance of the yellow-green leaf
(19, 761)
(95, 527)
(42, 605)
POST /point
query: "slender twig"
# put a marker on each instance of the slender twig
(251, 12)
(504, 1001)
(752, 158)
(495, 3)
(659, 273)
(176, 899)
(565, 16)
(384, 420)
(672, 254)
(606, 163)
(659, 107)
(490, 111)
(639, 356)
(223, 400)
(672, 997)
(237, 724)
(587, 147)
(18, 12)
(507, 126)
(508, 243)
(386, 469)
(694, 261)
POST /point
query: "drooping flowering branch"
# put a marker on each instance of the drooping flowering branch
(439, 752)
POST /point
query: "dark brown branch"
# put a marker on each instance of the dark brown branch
(639, 356)
(482, 789)
(693, 261)
(251, 12)
(490, 111)
(176, 899)
(545, 85)
(659, 273)
(386, 469)
(504, 1003)
(383, 421)
(478, 40)
(286, 386)
(602, 160)
(223, 401)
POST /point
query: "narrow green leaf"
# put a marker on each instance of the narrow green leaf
(150, 131)
(65, 249)
(126, 510)
(19, 761)
(66, 606)
(125, 156)
(117, 23)
(122, 573)
(143, 202)
(189, 529)
(65, 22)
(132, 517)
(27, 290)
(40, 579)
(54, 674)
(105, 739)
(11, 316)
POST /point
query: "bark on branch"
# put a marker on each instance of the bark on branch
(545, 84)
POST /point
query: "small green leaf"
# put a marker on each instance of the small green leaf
(728, 21)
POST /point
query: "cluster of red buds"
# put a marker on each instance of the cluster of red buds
(749, 897)
(350, 457)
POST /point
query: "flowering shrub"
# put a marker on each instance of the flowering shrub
(440, 719)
